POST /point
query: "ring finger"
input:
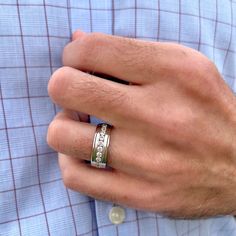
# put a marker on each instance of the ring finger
(75, 138)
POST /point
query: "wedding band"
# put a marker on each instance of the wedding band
(100, 145)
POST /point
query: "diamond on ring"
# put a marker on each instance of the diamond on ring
(99, 149)
(100, 144)
(99, 154)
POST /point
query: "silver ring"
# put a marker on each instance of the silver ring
(100, 145)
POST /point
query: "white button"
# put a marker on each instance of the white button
(117, 215)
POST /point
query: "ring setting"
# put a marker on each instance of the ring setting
(100, 145)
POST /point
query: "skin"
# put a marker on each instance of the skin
(172, 148)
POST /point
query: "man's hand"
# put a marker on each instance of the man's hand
(173, 146)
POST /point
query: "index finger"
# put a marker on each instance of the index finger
(128, 59)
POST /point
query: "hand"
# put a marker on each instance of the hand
(173, 147)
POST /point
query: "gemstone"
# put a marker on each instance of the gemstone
(99, 154)
(100, 143)
(98, 159)
(101, 138)
(99, 149)
(104, 128)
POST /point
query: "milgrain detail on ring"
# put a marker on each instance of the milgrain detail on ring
(100, 145)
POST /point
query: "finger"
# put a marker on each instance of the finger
(105, 184)
(78, 34)
(79, 91)
(124, 58)
(74, 138)
(127, 152)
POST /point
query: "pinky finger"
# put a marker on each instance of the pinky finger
(104, 184)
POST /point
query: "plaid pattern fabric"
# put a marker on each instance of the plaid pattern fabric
(33, 199)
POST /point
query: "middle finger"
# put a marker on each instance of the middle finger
(75, 90)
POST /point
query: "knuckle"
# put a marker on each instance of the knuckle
(93, 38)
(169, 52)
(208, 65)
(187, 65)
(91, 41)
(53, 134)
(194, 71)
(80, 52)
(58, 82)
(197, 64)
(89, 48)
(190, 62)
(205, 68)
(206, 74)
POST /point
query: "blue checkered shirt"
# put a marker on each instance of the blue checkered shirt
(33, 199)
